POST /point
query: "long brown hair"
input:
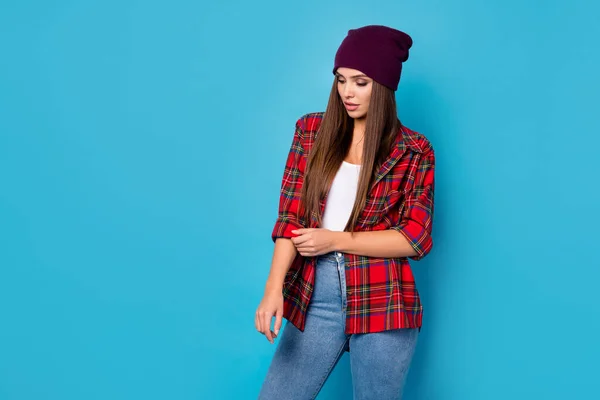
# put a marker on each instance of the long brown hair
(332, 144)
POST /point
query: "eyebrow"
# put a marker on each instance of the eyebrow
(355, 76)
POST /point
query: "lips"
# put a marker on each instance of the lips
(350, 106)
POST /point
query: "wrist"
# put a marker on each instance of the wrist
(339, 241)
(273, 286)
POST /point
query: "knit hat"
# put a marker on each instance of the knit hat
(376, 50)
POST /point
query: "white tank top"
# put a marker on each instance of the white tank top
(341, 196)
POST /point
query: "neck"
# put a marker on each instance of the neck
(360, 123)
(359, 127)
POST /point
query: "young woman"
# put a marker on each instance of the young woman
(356, 202)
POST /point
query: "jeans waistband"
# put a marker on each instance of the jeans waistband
(333, 255)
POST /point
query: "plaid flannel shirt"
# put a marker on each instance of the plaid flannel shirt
(381, 292)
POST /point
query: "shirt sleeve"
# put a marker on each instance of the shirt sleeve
(291, 186)
(417, 219)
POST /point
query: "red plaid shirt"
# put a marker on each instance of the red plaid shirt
(381, 292)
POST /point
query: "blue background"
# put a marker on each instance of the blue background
(141, 150)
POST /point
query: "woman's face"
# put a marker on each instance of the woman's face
(354, 89)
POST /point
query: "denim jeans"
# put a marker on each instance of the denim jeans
(303, 361)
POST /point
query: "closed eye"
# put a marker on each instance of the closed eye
(358, 83)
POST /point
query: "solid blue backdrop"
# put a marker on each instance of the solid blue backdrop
(141, 151)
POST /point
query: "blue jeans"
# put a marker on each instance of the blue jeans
(303, 361)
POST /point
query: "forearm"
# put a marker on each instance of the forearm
(283, 256)
(386, 243)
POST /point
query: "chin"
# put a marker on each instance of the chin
(356, 114)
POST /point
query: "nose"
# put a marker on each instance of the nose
(347, 91)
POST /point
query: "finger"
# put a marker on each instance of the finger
(266, 324)
(305, 248)
(300, 231)
(257, 322)
(278, 318)
(301, 239)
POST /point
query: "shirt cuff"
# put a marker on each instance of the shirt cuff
(417, 236)
(283, 229)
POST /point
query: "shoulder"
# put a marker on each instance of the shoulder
(416, 141)
(310, 122)
(307, 126)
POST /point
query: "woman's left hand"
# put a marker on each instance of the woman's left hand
(313, 242)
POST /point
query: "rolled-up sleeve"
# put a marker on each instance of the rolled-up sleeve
(417, 220)
(291, 186)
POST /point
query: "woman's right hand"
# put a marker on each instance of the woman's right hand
(271, 305)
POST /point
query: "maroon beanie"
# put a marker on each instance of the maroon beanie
(376, 50)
